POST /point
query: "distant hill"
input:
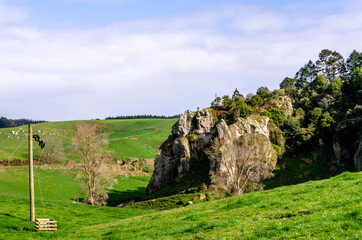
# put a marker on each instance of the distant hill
(138, 138)
(145, 116)
(7, 123)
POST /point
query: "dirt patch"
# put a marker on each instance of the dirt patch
(14, 162)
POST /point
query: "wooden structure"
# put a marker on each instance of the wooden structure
(45, 224)
(31, 174)
(41, 224)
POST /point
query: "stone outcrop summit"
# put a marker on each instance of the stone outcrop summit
(193, 137)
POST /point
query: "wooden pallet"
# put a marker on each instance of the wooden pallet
(45, 224)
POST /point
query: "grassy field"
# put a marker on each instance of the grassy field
(55, 200)
(326, 209)
(137, 138)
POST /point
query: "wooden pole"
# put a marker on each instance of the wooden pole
(31, 174)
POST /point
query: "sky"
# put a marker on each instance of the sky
(87, 59)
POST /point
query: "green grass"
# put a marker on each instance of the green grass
(305, 167)
(58, 189)
(137, 138)
(128, 188)
(325, 209)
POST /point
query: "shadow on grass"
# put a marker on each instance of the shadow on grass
(117, 197)
(305, 167)
(9, 215)
(13, 223)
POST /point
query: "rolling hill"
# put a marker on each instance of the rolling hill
(137, 138)
(326, 209)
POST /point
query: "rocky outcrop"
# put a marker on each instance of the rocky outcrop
(358, 155)
(341, 154)
(183, 126)
(283, 103)
(196, 133)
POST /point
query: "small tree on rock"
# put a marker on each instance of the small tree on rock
(247, 163)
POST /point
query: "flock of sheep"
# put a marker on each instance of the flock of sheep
(20, 133)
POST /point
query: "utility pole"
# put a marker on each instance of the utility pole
(31, 174)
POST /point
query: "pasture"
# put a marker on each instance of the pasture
(137, 138)
(323, 209)
(326, 209)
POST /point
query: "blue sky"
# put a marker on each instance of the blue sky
(84, 59)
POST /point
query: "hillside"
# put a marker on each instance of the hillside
(327, 209)
(137, 138)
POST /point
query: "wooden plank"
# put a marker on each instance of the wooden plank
(46, 229)
(46, 225)
(45, 220)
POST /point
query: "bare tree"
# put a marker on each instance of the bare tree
(91, 146)
(241, 163)
(53, 150)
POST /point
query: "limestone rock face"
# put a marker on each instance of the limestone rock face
(253, 128)
(183, 126)
(194, 134)
(204, 121)
(341, 153)
(283, 103)
(358, 156)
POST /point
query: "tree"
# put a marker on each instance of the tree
(334, 87)
(305, 75)
(255, 100)
(354, 60)
(246, 165)
(319, 84)
(287, 83)
(356, 85)
(90, 145)
(237, 95)
(53, 150)
(330, 64)
(264, 93)
(6, 123)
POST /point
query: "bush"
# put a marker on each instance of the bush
(277, 116)
(148, 168)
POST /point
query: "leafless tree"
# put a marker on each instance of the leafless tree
(241, 163)
(91, 146)
(53, 150)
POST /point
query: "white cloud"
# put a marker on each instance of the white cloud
(162, 65)
(11, 15)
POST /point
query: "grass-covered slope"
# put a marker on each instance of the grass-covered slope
(55, 200)
(326, 209)
(137, 138)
